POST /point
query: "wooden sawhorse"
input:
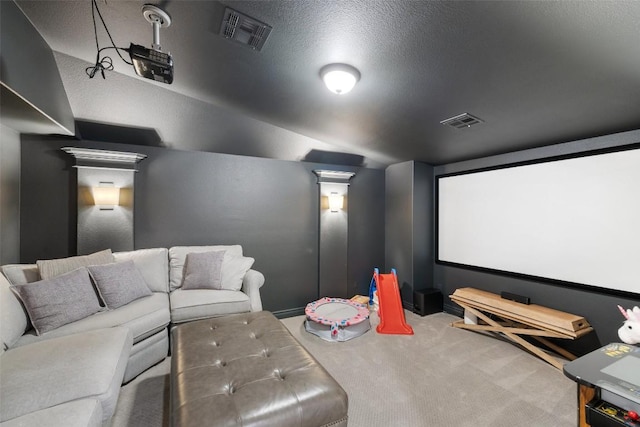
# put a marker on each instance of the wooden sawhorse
(515, 319)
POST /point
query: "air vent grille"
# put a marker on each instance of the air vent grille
(244, 29)
(230, 25)
(461, 121)
(256, 37)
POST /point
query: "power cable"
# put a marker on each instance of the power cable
(104, 63)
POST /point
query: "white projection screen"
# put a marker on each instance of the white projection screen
(571, 220)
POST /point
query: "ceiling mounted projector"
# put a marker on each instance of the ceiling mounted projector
(153, 63)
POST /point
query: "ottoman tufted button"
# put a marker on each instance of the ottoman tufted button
(277, 374)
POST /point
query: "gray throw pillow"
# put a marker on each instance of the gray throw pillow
(119, 283)
(178, 255)
(54, 267)
(55, 302)
(203, 270)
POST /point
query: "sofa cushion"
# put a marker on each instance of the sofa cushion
(79, 413)
(152, 263)
(55, 302)
(55, 267)
(144, 317)
(19, 274)
(234, 269)
(55, 371)
(193, 304)
(13, 318)
(203, 270)
(119, 283)
(178, 255)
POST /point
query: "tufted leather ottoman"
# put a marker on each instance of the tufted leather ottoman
(248, 370)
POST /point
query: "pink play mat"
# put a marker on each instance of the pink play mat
(336, 319)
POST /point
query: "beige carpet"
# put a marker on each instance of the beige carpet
(441, 376)
(144, 402)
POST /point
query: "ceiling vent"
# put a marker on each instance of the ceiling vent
(244, 29)
(461, 121)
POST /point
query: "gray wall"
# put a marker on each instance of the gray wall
(271, 207)
(366, 228)
(409, 226)
(30, 70)
(598, 308)
(9, 196)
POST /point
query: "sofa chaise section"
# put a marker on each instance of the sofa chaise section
(79, 413)
(85, 367)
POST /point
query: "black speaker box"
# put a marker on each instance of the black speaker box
(427, 301)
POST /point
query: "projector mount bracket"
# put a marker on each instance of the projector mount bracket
(159, 19)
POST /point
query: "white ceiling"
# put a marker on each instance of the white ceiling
(535, 72)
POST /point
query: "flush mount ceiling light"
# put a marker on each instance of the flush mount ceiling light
(339, 78)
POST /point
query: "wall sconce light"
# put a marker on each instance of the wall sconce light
(339, 78)
(106, 196)
(336, 202)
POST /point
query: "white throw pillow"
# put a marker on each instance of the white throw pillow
(152, 263)
(51, 268)
(234, 269)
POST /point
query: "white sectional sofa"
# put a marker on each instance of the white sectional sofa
(71, 374)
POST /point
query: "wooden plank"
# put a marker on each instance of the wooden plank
(519, 331)
(532, 315)
(529, 322)
(561, 351)
(515, 317)
(560, 319)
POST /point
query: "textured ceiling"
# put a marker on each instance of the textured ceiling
(536, 73)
